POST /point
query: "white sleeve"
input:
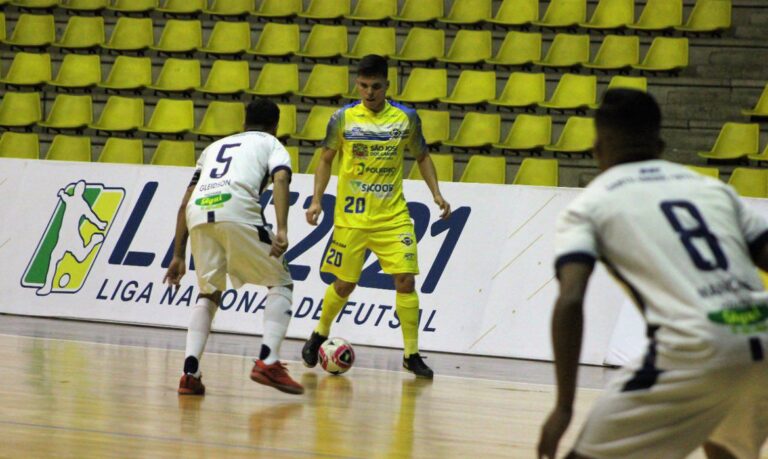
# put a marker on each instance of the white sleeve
(279, 159)
(575, 235)
(753, 226)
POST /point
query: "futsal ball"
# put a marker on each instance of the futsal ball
(336, 356)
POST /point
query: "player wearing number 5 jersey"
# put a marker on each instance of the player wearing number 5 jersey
(222, 215)
(371, 137)
(685, 246)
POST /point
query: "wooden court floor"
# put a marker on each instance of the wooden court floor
(102, 391)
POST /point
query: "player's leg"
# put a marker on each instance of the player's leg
(715, 451)
(344, 259)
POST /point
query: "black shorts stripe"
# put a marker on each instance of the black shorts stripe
(648, 374)
(211, 217)
(756, 348)
(264, 235)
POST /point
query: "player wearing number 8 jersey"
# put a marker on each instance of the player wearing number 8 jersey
(685, 246)
(371, 137)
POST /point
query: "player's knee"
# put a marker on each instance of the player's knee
(344, 288)
(286, 291)
(405, 283)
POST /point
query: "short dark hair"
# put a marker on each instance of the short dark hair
(262, 112)
(372, 65)
(629, 113)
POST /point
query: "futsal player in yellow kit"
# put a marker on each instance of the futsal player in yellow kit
(371, 136)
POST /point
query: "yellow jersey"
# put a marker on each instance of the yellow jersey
(370, 183)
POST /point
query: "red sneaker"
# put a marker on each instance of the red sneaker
(189, 385)
(275, 375)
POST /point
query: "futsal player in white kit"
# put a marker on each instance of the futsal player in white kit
(221, 213)
(686, 247)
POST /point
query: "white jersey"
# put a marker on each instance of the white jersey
(232, 173)
(680, 242)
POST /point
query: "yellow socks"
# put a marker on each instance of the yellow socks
(407, 306)
(332, 304)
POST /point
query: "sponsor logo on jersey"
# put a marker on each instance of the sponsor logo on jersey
(362, 169)
(383, 151)
(380, 190)
(359, 150)
(213, 202)
(406, 239)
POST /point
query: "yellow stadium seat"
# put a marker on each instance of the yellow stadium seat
(325, 42)
(749, 183)
(469, 47)
(566, 50)
(578, 136)
(573, 92)
(420, 11)
(120, 114)
(761, 107)
(19, 145)
(293, 152)
(171, 117)
(227, 77)
(537, 172)
(666, 54)
(435, 126)
(659, 15)
(519, 13)
(286, 126)
(131, 34)
(707, 171)
(132, 6)
(35, 4)
(373, 40)
(621, 81)
(477, 131)
(473, 87)
(20, 109)
(28, 69)
(230, 7)
(277, 40)
(69, 148)
(180, 36)
(78, 71)
(485, 169)
(617, 52)
(177, 75)
(422, 45)
(228, 38)
(519, 49)
(708, 16)
(326, 82)
(129, 73)
(466, 12)
(563, 13)
(391, 91)
(276, 80)
(424, 86)
(182, 7)
(522, 90)
(443, 168)
(279, 8)
(69, 112)
(611, 14)
(174, 153)
(84, 5)
(122, 151)
(373, 10)
(736, 140)
(2, 27)
(33, 30)
(761, 158)
(315, 126)
(82, 32)
(528, 132)
(312, 166)
(326, 9)
(222, 119)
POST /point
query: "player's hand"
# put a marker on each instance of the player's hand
(445, 207)
(279, 244)
(175, 272)
(314, 212)
(552, 432)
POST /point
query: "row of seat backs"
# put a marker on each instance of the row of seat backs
(706, 16)
(736, 141)
(328, 41)
(748, 182)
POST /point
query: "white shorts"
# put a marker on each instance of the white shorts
(237, 249)
(679, 412)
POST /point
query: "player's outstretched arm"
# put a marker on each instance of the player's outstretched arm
(178, 266)
(280, 190)
(567, 326)
(322, 175)
(427, 169)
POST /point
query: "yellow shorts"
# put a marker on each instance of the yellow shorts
(394, 247)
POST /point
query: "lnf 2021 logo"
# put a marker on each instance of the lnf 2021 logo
(68, 248)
